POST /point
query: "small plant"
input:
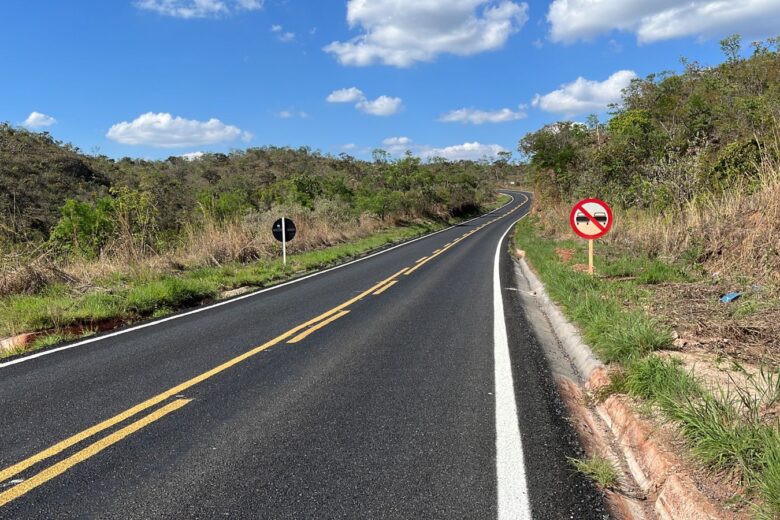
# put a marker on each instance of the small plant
(659, 379)
(599, 469)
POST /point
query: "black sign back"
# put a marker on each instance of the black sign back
(289, 231)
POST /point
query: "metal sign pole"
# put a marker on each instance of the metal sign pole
(284, 242)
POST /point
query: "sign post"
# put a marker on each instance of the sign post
(591, 219)
(284, 230)
(590, 257)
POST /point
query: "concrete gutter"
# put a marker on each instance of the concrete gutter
(585, 361)
(657, 486)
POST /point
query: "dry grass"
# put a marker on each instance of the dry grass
(737, 232)
(212, 244)
(733, 234)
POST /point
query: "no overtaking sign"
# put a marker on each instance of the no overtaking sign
(591, 218)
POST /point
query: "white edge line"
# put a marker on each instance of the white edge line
(238, 298)
(512, 488)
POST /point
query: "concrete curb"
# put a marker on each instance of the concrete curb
(655, 470)
(586, 363)
(19, 341)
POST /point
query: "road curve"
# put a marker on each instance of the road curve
(405, 385)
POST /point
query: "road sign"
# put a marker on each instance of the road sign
(284, 234)
(591, 218)
(284, 231)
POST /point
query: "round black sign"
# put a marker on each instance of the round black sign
(289, 229)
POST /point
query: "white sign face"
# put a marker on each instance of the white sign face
(591, 218)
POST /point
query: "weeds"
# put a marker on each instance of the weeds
(600, 469)
(733, 427)
(595, 304)
(150, 293)
(660, 379)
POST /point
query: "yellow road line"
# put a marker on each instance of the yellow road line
(436, 253)
(386, 287)
(320, 325)
(399, 273)
(178, 389)
(60, 446)
(90, 451)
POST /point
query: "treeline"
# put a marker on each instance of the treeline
(675, 138)
(51, 192)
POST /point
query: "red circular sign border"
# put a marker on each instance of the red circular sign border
(574, 213)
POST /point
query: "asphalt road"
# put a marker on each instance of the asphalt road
(392, 387)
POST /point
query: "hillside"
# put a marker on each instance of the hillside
(682, 156)
(690, 163)
(37, 174)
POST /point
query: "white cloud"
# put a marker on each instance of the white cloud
(572, 20)
(283, 36)
(349, 146)
(289, 114)
(585, 96)
(381, 106)
(396, 141)
(165, 131)
(38, 120)
(345, 95)
(198, 8)
(402, 32)
(478, 117)
(192, 155)
(472, 151)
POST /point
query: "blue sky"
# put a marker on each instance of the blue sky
(459, 78)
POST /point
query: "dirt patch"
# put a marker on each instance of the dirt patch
(564, 255)
(746, 330)
(581, 268)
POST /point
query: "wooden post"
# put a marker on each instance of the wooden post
(590, 257)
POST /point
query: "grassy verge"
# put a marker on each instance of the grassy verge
(595, 304)
(154, 294)
(500, 201)
(734, 429)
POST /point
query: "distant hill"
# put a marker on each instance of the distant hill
(37, 174)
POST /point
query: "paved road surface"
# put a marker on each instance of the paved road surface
(392, 387)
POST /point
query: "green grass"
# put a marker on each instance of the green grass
(154, 294)
(596, 304)
(599, 469)
(500, 201)
(644, 270)
(660, 379)
(726, 430)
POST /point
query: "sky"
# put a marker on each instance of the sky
(460, 79)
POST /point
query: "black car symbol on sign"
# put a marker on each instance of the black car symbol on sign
(599, 216)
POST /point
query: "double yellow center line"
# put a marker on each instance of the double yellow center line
(292, 336)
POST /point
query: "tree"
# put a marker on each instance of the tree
(731, 47)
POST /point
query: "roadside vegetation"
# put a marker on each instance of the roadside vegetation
(690, 163)
(601, 470)
(86, 240)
